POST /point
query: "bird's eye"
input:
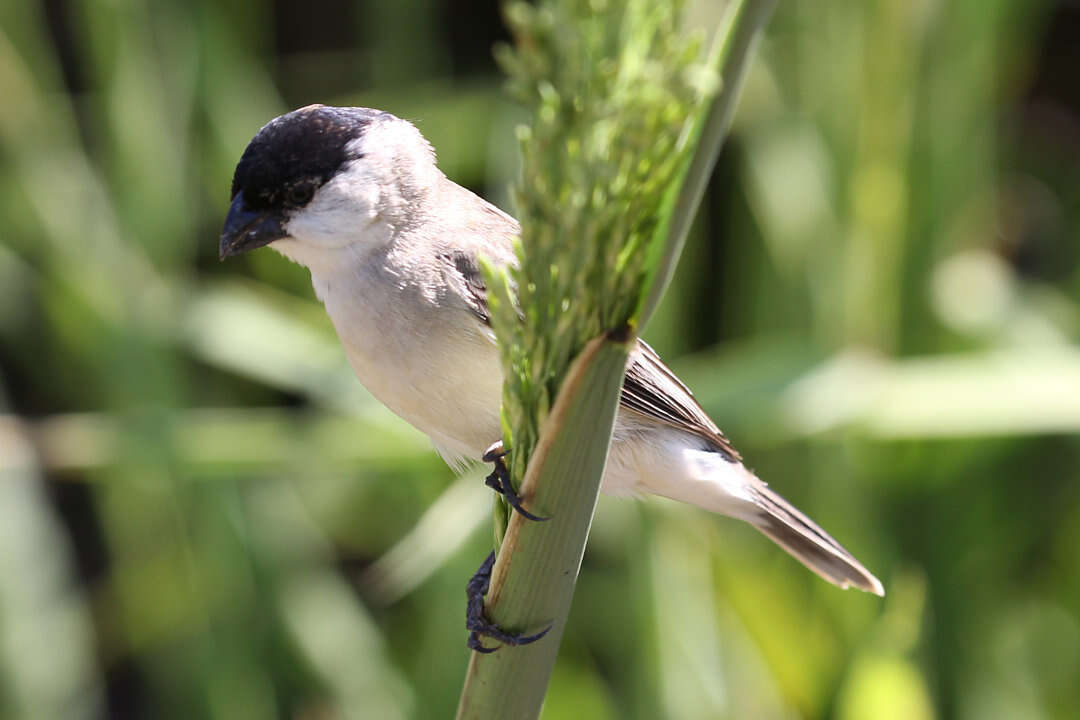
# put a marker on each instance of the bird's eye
(300, 194)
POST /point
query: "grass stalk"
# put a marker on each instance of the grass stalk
(628, 226)
(536, 570)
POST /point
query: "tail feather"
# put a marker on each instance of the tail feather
(789, 528)
(716, 482)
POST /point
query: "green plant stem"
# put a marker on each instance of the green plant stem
(535, 573)
(536, 570)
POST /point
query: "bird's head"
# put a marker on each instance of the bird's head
(321, 178)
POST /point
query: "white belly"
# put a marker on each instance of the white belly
(433, 365)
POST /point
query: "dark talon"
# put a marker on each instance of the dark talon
(499, 481)
(494, 453)
(478, 625)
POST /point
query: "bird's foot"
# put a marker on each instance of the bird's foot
(499, 481)
(479, 626)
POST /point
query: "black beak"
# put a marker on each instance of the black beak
(246, 230)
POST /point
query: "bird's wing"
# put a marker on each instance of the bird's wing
(650, 388)
(465, 269)
(653, 390)
(472, 235)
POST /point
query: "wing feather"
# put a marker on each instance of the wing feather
(653, 390)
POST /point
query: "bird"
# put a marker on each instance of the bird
(393, 247)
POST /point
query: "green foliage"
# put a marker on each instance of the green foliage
(613, 90)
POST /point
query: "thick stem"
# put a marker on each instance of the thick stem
(534, 577)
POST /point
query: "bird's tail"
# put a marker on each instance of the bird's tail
(809, 544)
(725, 486)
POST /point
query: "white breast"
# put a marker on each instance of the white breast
(423, 355)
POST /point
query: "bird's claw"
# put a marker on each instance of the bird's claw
(499, 481)
(479, 626)
(494, 453)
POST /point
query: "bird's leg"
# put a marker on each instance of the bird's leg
(499, 481)
(478, 625)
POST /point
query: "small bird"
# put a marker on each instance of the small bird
(392, 244)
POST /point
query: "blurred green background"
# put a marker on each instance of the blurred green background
(203, 515)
